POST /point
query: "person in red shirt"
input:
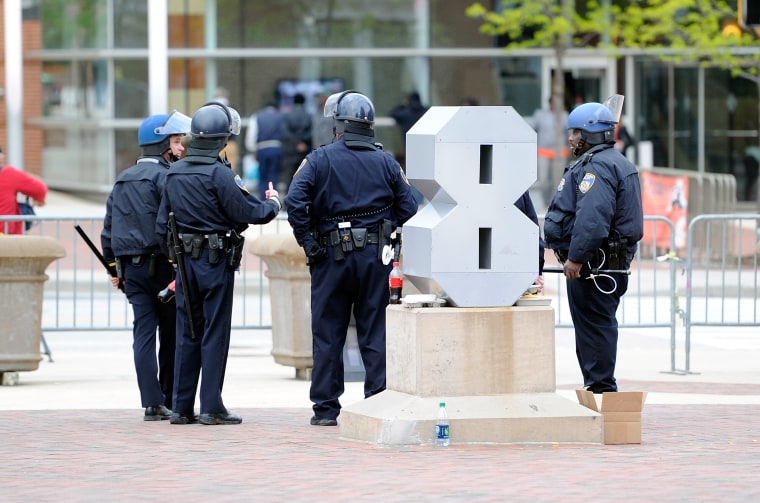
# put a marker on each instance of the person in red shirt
(12, 182)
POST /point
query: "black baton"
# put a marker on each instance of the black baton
(109, 267)
(179, 253)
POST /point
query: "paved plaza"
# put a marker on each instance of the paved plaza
(73, 431)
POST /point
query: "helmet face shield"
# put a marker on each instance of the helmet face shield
(331, 105)
(234, 121)
(177, 123)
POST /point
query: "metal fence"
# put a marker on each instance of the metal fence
(719, 278)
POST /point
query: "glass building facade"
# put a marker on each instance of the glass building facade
(94, 82)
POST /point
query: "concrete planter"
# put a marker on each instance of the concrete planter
(23, 260)
(290, 293)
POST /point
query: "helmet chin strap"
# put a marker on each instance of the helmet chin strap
(578, 148)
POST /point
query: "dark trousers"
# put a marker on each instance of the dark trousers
(360, 282)
(211, 288)
(269, 168)
(596, 329)
(154, 378)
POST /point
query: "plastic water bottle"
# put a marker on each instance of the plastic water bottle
(395, 284)
(442, 427)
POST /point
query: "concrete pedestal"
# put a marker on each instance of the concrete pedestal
(494, 368)
(23, 260)
(290, 294)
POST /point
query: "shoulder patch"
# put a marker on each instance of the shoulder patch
(587, 182)
(303, 163)
(240, 184)
(403, 175)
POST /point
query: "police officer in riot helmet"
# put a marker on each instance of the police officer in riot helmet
(129, 240)
(344, 203)
(212, 207)
(593, 224)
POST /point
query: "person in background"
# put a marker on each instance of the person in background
(212, 208)
(525, 204)
(264, 140)
(13, 181)
(549, 168)
(296, 132)
(623, 139)
(129, 240)
(595, 220)
(343, 202)
(321, 127)
(407, 113)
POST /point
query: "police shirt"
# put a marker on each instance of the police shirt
(598, 194)
(210, 198)
(336, 183)
(129, 225)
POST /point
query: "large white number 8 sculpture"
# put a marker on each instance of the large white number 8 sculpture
(469, 244)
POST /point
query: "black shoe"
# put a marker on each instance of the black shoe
(221, 418)
(323, 421)
(157, 413)
(188, 418)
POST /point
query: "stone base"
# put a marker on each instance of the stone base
(395, 418)
(494, 368)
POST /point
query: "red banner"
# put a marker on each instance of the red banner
(665, 196)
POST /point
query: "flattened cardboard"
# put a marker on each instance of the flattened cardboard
(621, 412)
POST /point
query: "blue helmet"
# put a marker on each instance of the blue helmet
(350, 106)
(591, 117)
(147, 135)
(596, 124)
(215, 120)
(155, 132)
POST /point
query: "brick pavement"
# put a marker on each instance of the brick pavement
(688, 453)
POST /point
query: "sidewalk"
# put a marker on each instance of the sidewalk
(73, 431)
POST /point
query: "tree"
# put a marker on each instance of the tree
(677, 31)
(552, 24)
(705, 32)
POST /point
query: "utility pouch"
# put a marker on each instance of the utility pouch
(386, 229)
(346, 242)
(137, 260)
(234, 249)
(152, 265)
(119, 269)
(213, 249)
(196, 245)
(359, 237)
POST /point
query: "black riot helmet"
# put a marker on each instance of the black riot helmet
(215, 120)
(352, 107)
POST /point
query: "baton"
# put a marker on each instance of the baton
(109, 267)
(180, 254)
(593, 271)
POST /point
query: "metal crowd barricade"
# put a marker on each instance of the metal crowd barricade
(78, 295)
(722, 276)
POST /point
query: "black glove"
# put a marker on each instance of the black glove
(314, 253)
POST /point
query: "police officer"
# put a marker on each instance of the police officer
(595, 221)
(212, 207)
(342, 204)
(129, 239)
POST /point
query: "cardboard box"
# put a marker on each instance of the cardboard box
(621, 412)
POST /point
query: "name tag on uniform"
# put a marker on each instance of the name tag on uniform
(344, 225)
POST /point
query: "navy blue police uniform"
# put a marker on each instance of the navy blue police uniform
(211, 208)
(129, 236)
(337, 201)
(595, 218)
(129, 239)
